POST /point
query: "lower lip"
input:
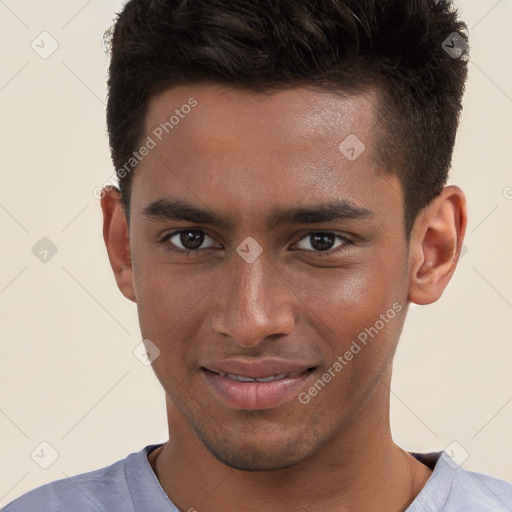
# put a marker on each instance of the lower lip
(255, 395)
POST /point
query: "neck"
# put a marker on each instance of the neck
(361, 469)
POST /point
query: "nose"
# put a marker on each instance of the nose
(253, 303)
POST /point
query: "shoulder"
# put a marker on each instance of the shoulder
(101, 489)
(482, 492)
(455, 489)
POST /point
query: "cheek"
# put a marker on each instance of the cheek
(358, 311)
(172, 305)
(167, 292)
(358, 292)
(360, 322)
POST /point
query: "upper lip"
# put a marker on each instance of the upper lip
(256, 369)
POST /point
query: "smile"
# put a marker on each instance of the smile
(242, 378)
(256, 393)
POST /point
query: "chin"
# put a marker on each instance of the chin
(247, 459)
(270, 452)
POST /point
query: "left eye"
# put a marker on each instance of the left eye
(323, 241)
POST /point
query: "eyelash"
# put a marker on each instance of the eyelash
(195, 252)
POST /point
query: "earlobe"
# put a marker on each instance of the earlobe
(435, 245)
(117, 240)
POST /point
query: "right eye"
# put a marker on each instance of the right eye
(190, 240)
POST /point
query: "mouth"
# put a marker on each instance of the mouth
(256, 387)
(270, 378)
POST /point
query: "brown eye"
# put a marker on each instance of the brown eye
(323, 241)
(187, 240)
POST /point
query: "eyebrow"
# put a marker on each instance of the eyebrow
(341, 209)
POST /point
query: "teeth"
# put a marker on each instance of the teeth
(240, 378)
(271, 378)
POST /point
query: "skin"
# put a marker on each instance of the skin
(242, 154)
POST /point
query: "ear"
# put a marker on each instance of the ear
(436, 242)
(117, 240)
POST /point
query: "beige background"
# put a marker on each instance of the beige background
(68, 373)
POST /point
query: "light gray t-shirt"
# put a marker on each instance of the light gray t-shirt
(130, 485)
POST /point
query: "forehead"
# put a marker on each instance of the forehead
(290, 114)
(245, 147)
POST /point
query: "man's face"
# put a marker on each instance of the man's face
(294, 308)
